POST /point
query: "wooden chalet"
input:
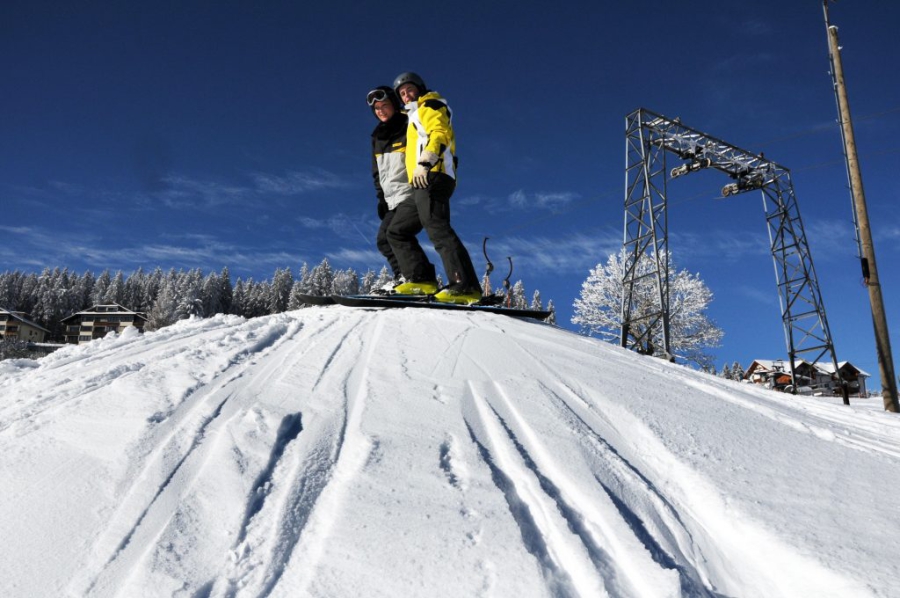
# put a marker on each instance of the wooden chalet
(776, 374)
(14, 325)
(98, 321)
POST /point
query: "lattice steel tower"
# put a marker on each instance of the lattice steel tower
(650, 138)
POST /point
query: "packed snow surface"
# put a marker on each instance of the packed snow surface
(345, 452)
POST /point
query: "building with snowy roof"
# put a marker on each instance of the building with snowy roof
(99, 320)
(776, 374)
(14, 325)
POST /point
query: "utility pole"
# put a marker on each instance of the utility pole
(867, 248)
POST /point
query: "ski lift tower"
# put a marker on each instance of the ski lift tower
(650, 138)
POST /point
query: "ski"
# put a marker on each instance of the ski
(329, 299)
(316, 299)
(426, 301)
(491, 303)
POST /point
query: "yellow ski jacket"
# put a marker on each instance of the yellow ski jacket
(430, 129)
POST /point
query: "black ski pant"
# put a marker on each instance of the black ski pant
(430, 209)
(384, 245)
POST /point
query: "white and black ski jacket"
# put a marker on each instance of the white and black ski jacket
(389, 161)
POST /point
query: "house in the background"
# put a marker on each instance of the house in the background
(14, 325)
(819, 377)
(852, 375)
(769, 373)
(99, 320)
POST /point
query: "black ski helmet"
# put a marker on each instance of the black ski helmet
(380, 94)
(409, 77)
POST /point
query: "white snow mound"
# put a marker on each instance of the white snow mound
(345, 452)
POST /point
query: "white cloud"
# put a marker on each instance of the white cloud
(183, 252)
(724, 246)
(298, 183)
(343, 226)
(360, 258)
(758, 295)
(184, 192)
(565, 254)
(552, 201)
(757, 28)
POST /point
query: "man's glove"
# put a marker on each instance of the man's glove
(420, 175)
(382, 209)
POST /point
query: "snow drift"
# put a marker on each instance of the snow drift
(340, 452)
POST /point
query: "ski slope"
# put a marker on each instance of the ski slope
(335, 452)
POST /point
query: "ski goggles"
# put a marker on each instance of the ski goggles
(376, 95)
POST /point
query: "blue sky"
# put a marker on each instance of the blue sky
(212, 134)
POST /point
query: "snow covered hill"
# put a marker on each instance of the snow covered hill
(340, 452)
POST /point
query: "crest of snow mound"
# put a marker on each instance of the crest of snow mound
(335, 451)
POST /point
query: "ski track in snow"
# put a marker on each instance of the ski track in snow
(70, 360)
(255, 443)
(686, 543)
(655, 523)
(316, 482)
(822, 423)
(572, 535)
(192, 437)
(181, 447)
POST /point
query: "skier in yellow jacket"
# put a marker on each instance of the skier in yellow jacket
(431, 167)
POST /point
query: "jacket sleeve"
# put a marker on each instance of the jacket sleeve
(435, 119)
(379, 192)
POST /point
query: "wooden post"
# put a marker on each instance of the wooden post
(870, 268)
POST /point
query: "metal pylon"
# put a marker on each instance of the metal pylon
(646, 233)
(649, 137)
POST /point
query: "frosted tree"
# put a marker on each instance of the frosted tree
(10, 282)
(368, 281)
(551, 319)
(737, 372)
(163, 311)
(384, 276)
(101, 285)
(259, 297)
(28, 293)
(115, 292)
(189, 293)
(239, 299)
(353, 281)
(280, 292)
(322, 279)
(151, 286)
(295, 302)
(536, 304)
(598, 310)
(346, 282)
(726, 372)
(51, 299)
(517, 296)
(251, 299)
(82, 292)
(7, 291)
(225, 290)
(132, 295)
(305, 280)
(46, 301)
(211, 295)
